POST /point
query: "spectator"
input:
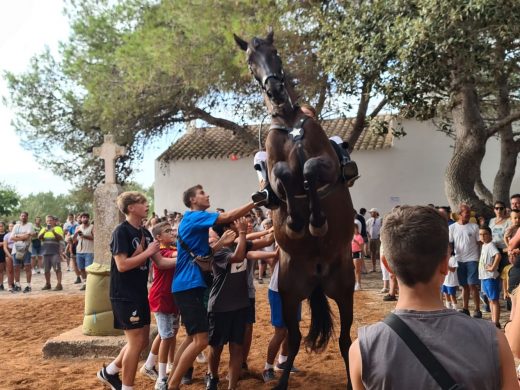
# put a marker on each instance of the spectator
(69, 251)
(451, 282)
(515, 202)
(513, 273)
(188, 284)
(3, 232)
(357, 255)
(51, 236)
(416, 246)
(373, 228)
(8, 249)
(361, 218)
(22, 236)
(464, 238)
(488, 272)
(36, 251)
(84, 235)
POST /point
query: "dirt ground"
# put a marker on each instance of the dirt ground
(28, 320)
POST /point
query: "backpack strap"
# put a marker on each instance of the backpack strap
(422, 353)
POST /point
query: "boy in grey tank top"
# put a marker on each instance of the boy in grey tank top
(473, 351)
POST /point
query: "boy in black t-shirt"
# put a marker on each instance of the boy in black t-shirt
(132, 247)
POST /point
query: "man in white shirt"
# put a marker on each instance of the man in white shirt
(22, 235)
(373, 228)
(464, 240)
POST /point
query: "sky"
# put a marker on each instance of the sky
(26, 27)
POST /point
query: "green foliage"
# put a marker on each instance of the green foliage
(9, 200)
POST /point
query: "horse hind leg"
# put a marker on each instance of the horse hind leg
(313, 167)
(283, 180)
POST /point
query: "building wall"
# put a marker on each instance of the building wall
(411, 172)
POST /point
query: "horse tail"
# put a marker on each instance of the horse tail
(322, 327)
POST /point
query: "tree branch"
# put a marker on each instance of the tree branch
(483, 192)
(503, 122)
(379, 107)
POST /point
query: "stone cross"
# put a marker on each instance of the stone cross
(109, 151)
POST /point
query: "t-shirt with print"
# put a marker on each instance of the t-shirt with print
(130, 285)
(26, 228)
(498, 232)
(160, 295)
(194, 231)
(465, 241)
(50, 245)
(487, 256)
(451, 279)
(229, 290)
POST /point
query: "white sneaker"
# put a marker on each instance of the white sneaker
(357, 287)
(33, 272)
(447, 305)
(201, 358)
(384, 290)
(149, 372)
(161, 384)
(454, 306)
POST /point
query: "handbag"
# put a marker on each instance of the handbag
(20, 247)
(422, 353)
(205, 263)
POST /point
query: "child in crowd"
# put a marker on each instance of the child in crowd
(132, 247)
(451, 282)
(163, 306)
(357, 255)
(488, 272)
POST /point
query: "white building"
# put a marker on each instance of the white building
(408, 170)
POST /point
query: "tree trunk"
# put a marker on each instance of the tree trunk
(470, 147)
(361, 115)
(508, 148)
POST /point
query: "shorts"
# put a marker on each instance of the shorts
(365, 239)
(467, 273)
(374, 246)
(227, 327)
(83, 260)
(36, 251)
(26, 260)
(167, 324)
(449, 290)
(194, 313)
(514, 278)
(52, 261)
(356, 255)
(130, 315)
(491, 287)
(251, 311)
(275, 302)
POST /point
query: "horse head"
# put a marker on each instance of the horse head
(266, 67)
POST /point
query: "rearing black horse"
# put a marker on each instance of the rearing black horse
(315, 220)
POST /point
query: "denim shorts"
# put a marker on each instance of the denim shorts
(449, 290)
(167, 324)
(468, 273)
(83, 260)
(36, 251)
(491, 287)
(26, 259)
(275, 302)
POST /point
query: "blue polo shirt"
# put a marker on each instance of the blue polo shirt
(194, 231)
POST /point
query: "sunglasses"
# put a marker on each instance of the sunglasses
(499, 208)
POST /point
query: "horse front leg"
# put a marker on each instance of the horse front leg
(291, 309)
(283, 184)
(317, 168)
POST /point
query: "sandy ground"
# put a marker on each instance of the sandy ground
(28, 320)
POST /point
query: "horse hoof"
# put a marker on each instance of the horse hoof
(319, 231)
(293, 234)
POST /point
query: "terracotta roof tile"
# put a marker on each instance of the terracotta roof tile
(217, 142)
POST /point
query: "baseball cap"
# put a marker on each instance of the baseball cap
(373, 210)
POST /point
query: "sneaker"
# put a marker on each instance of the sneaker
(2, 287)
(46, 287)
(68, 269)
(17, 288)
(477, 314)
(201, 358)
(187, 378)
(454, 306)
(464, 311)
(58, 287)
(169, 368)
(281, 367)
(33, 272)
(211, 383)
(161, 384)
(38, 272)
(388, 298)
(111, 381)
(27, 289)
(83, 288)
(260, 281)
(11, 290)
(78, 280)
(357, 287)
(268, 375)
(384, 290)
(149, 372)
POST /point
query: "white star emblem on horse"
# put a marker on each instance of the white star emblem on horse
(296, 132)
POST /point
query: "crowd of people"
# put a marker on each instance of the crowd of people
(41, 248)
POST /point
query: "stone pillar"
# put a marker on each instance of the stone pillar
(98, 319)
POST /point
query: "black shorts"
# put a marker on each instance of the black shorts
(193, 312)
(130, 315)
(514, 278)
(227, 327)
(251, 312)
(356, 255)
